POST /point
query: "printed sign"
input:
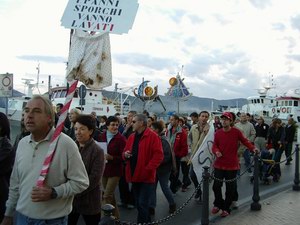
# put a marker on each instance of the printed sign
(114, 16)
(6, 85)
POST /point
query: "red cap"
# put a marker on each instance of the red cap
(227, 115)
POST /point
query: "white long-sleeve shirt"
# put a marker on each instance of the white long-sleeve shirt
(67, 175)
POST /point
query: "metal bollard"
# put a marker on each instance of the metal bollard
(255, 205)
(108, 218)
(205, 205)
(296, 186)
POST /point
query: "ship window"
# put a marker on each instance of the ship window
(258, 100)
(295, 103)
(254, 100)
(286, 103)
(63, 93)
(290, 103)
(262, 101)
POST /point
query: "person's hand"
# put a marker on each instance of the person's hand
(218, 154)
(127, 154)
(109, 157)
(7, 220)
(40, 194)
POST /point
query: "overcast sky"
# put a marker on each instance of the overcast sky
(229, 48)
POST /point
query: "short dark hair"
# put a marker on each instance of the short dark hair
(159, 125)
(206, 112)
(5, 127)
(176, 117)
(194, 114)
(60, 105)
(87, 120)
(111, 119)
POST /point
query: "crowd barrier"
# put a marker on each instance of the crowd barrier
(108, 218)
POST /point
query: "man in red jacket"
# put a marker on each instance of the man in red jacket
(143, 152)
(226, 165)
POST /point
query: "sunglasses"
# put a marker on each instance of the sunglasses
(133, 121)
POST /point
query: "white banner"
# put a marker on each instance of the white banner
(6, 85)
(114, 16)
(204, 156)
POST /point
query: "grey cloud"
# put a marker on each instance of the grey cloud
(221, 19)
(260, 4)
(295, 21)
(278, 26)
(43, 58)
(294, 57)
(177, 15)
(137, 59)
(195, 19)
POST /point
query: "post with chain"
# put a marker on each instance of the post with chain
(108, 218)
(296, 186)
(205, 206)
(255, 205)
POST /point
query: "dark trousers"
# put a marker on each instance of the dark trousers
(288, 151)
(142, 194)
(231, 188)
(277, 157)
(175, 182)
(126, 194)
(88, 219)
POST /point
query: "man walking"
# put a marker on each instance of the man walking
(195, 139)
(51, 203)
(249, 132)
(177, 137)
(226, 165)
(143, 152)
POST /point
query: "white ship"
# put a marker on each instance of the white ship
(288, 105)
(94, 101)
(260, 105)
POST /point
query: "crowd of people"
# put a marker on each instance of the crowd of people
(96, 155)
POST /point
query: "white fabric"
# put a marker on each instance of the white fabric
(204, 156)
(90, 59)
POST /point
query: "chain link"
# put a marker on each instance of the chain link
(272, 161)
(160, 221)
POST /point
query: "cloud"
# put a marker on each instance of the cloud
(260, 4)
(43, 58)
(295, 21)
(144, 60)
(294, 57)
(221, 19)
(278, 26)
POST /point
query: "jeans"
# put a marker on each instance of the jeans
(25, 220)
(247, 159)
(142, 193)
(109, 185)
(163, 179)
(231, 189)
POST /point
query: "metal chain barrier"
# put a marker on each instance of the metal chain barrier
(272, 161)
(160, 221)
(234, 179)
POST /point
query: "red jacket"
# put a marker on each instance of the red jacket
(113, 168)
(227, 143)
(150, 155)
(180, 146)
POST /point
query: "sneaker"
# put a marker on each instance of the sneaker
(129, 206)
(172, 208)
(234, 205)
(224, 213)
(215, 210)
